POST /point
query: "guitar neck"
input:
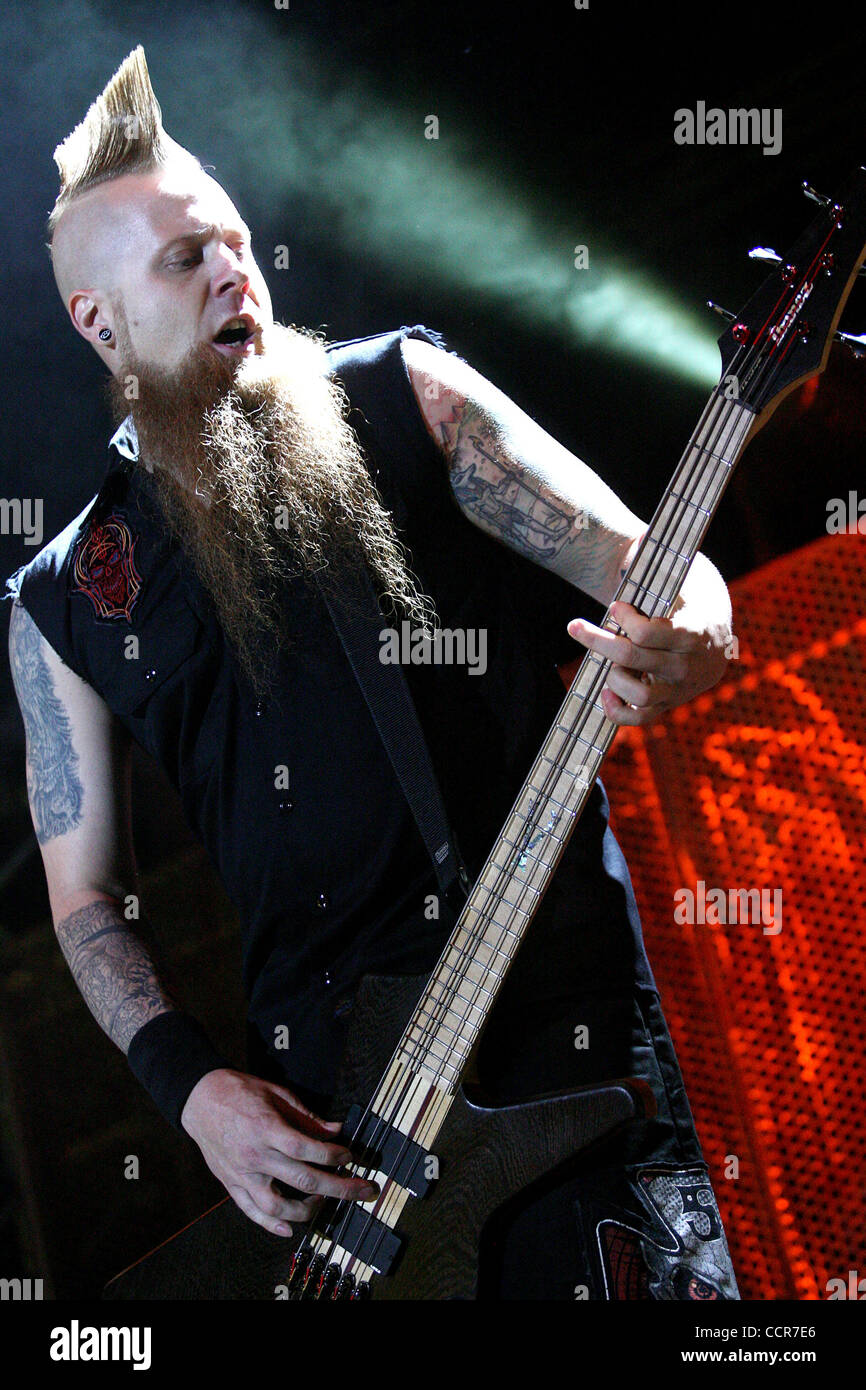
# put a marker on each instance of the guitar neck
(464, 985)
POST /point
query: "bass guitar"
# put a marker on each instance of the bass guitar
(442, 1159)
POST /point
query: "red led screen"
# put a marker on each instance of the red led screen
(761, 785)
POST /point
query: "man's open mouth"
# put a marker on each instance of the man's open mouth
(236, 335)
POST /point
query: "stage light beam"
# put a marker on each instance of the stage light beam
(291, 126)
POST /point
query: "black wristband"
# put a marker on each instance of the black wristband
(169, 1056)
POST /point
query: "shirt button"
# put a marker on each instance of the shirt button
(322, 903)
(150, 675)
(284, 807)
(260, 708)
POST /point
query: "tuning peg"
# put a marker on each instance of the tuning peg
(855, 345)
(823, 201)
(816, 197)
(741, 333)
(765, 253)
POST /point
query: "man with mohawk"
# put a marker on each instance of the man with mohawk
(254, 471)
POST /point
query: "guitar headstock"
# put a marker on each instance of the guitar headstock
(783, 335)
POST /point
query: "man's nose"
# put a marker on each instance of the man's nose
(228, 276)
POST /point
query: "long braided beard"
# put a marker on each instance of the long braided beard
(260, 477)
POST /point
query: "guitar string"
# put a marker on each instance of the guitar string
(559, 726)
(563, 804)
(556, 775)
(693, 461)
(559, 770)
(757, 351)
(692, 545)
(761, 350)
(444, 1004)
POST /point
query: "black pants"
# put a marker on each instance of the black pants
(633, 1217)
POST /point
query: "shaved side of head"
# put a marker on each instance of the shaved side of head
(121, 135)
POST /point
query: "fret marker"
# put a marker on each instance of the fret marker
(522, 861)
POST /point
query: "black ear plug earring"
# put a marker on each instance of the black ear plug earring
(105, 334)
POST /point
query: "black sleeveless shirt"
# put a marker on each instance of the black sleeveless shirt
(294, 797)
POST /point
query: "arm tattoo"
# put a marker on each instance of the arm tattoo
(511, 506)
(55, 792)
(113, 966)
(515, 506)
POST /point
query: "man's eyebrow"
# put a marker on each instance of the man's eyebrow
(200, 235)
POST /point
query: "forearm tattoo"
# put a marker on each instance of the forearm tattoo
(515, 506)
(114, 968)
(53, 785)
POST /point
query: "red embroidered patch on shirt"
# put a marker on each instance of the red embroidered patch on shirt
(103, 568)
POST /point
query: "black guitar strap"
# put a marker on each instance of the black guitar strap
(359, 624)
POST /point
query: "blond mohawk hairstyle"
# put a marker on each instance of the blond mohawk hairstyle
(122, 133)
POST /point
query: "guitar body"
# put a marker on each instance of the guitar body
(485, 1156)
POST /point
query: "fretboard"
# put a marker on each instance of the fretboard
(465, 982)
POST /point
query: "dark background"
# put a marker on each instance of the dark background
(310, 115)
